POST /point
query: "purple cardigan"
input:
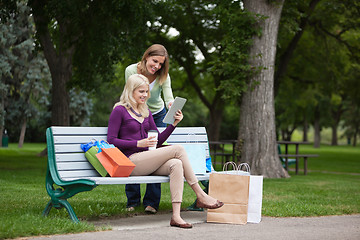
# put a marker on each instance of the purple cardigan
(124, 131)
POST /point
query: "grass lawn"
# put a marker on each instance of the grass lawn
(332, 187)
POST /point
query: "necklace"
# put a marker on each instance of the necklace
(133, 111)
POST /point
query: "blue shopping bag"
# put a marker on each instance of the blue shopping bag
(197, 156)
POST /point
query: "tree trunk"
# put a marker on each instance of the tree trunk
(22, 133)
(336, 116)
(257, 133)
(305, 130)
(355, 136)
(2, 115)
(59, 59)
(1, 135)
(283, 134)
(334, 136)
(215, 123)
(317, 136)
(2, 120)
(60, 115)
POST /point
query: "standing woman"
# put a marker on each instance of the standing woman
(155, 66)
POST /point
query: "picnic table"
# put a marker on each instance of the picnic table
(218, 149)
(297, 155)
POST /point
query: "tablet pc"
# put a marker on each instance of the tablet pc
(178, 104)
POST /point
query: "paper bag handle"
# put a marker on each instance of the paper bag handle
(247, 167)
(225, 167)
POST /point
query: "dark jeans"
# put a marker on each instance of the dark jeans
(153, 190)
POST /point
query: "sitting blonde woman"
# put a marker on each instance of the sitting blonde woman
(129, 124)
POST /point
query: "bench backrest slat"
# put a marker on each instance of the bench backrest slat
(79, 131)
(70, 166)
(77, 139)
(70, 159)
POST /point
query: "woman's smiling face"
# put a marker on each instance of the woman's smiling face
(140, 94)
(154, 63)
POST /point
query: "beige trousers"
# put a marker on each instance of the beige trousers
(169, 161)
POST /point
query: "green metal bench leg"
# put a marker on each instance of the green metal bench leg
(61, 204)
(193, 207)
(47, 209)
(70, 210)
(59, 196)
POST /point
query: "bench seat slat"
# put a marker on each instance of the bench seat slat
(79, 174)
(132, 179)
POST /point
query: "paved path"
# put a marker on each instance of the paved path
(157, 227)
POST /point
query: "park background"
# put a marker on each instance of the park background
(315, 86)
(317, 46)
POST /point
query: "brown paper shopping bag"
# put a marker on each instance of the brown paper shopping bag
(115, 162)
(233, 190)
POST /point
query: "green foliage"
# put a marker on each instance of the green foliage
(25, 76)
(7, 7)
(80, 107)
(323, 65)
(232, 63)
(26, 81)
(210, 46)
(106, 31)
(221, 32)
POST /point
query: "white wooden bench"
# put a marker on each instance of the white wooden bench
(69, 172)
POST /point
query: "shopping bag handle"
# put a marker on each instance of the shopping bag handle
(225, 167)
(247, 167)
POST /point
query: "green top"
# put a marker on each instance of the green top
(155, 102)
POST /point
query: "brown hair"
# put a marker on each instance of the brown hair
(156, 50)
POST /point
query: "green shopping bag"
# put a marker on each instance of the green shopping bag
(91, 157)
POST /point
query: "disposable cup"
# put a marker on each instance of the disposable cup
(150, 134)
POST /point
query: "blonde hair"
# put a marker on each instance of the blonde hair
(127, 100)
(156, 50)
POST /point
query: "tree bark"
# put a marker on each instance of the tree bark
(355, 136)
(22, 133)
(1, 135)
(336, 116)
(334, 136)
(257, 133)
(2, 118)
(317, 136)
(59, 59)
(305, 130)
(215, 123)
